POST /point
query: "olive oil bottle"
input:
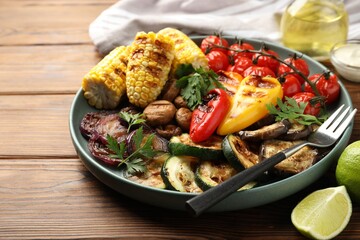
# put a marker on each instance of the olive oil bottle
(314, 26)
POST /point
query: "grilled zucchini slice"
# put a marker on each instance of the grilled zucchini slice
(211, 173)
(238, 153)
(178, 173)
(208, 150)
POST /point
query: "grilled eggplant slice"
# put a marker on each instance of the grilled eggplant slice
(158, 143)
(267, 132)
(267, 120)
(89, 122)
(100, 151)
(296, 163)
(296, 131)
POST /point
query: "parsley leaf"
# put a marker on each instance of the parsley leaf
(113, 145)
(184, 70)
(135, 166)
(197, 85)
(132, 119)
(143, 149)
(292, 111)
(136, 161)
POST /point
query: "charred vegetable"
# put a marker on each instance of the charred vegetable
(296, 131)
(149, 64)
(101, 152)
(238, 153)
(151, 177)
(102, 124)
(208, 150)
(98, 126)
(159, 112)
(183, 118)
(169, 131)
(158, 143)
(104, 86)
(89, 122)
(231, 81)
(267, 120)
(211, 173)
(298, 162)
(267, 132)
(249, 103)
(207, 116)
(178, 173)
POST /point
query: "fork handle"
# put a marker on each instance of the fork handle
(207, 199)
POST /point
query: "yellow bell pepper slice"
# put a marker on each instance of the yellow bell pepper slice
(230, 80)
(249, 103)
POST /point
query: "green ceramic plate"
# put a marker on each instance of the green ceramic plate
(176, 200)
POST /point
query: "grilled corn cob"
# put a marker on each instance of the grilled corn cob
(186, 50)
(148, 68)
(104, 85)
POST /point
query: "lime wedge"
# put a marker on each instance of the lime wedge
(323, 214)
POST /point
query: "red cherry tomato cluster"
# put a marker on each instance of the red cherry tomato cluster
(241, 57)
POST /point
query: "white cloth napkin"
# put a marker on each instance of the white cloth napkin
(260, 19)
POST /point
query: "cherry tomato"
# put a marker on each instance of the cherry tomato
(241, 64)
(266, 61)
(217, 60)
(259, 71)
(290, 85)
(299, 63)
(207, 44)
(327, 85)
(306, 98)
(241, 46)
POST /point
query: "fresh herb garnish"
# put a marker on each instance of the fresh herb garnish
(118, 149)
(135, 162)
(195, 84)
(292, 111)
(132, 119)
(184, 70)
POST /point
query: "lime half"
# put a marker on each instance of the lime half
(323, 214)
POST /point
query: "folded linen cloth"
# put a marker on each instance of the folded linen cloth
(259, 19)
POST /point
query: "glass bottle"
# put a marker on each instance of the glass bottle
(314, 26)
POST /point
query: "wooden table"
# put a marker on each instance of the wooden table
(45, 191)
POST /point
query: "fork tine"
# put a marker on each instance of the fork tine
(331, 118)
(345, 124)
(338, 120)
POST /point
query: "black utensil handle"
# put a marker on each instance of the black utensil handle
(207, 199)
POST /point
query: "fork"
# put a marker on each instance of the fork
(325, 136)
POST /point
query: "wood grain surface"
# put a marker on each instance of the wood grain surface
(45, 191)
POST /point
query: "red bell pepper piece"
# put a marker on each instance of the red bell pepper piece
(207, 117)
